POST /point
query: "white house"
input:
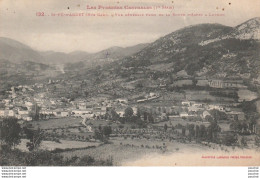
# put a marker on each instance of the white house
(186, 103)
(64, 113)
(205, 114)
(184, 114)
(2, 113)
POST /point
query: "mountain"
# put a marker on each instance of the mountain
(179, 42)
(88, 58)
(206, 50)
(53, 57)
(217, 49)
(105, 56)
(118, 52)
(17, 52)
(20, 64)
(24, 72)
(248, 30)
(245, 31)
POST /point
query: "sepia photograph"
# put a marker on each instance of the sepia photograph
(130, 83)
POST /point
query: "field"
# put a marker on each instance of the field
(246, 95)
(51, 145)
(127, 150)
(57, 123)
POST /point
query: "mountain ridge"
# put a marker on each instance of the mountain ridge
(205, 45)
(17, 52)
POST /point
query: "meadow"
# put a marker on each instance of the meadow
(127, 150)
(63, 144)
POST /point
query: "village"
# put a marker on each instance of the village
(22, 101)
(122, 112)
(30, 102)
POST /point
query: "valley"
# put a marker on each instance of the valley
(194, 90)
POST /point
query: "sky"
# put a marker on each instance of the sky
(18, 21)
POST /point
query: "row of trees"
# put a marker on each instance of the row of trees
(199, 132)
(129, 117)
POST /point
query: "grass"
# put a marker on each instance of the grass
(57, 123)
(117, 152)
(124, 150)
(51, 145)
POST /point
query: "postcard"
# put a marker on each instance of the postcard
(130, 83)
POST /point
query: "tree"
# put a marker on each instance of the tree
(138, 113)
(129, 112)
(145, 116)
(213, 130)
(194, 82)
(35, 137)
(98, 135)
(10, 132)
(202, 132)
(244, 141)
(252, 119)
(257, 141)
(191, 131)
(35, 113)
(107, 130)
(139, 85)
(111, 114)
(150, 118)
(230, 139)
(165, 127)
(103, 134)
(218, 114)
(183, 131)
(236, 126)
(197, 131)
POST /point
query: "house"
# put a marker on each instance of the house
(152, 94)
(186, 103)
(184, 114)
(198, 104)
(141, 100)
(53, 102)
(9, 113)
(182, 73)
(7, 100)
(64, 114)
(98, 111)
(86, 113)
(194, 108)
(202, 83)
(2, 113)
(27, 118)
(236, 115)
(174, 118)
(82, 107)
(205, 114)
(47, 112)
(134, 110)
(22, 112)
(226, 83)
(216, 83)
(120, 112)
(122, 100)
(217, 107)
(28, 104)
